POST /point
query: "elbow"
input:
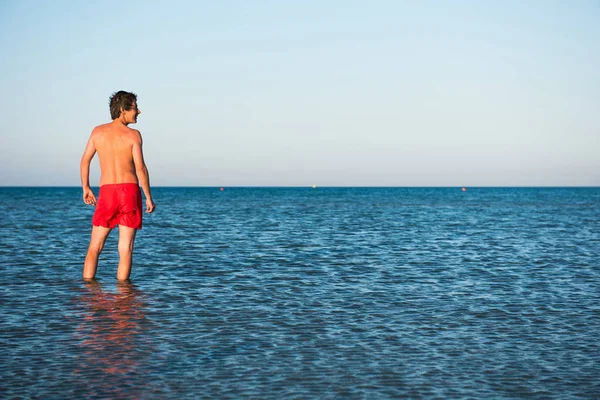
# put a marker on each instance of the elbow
(142, 170)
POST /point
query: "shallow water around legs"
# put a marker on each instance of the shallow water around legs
(332, 293)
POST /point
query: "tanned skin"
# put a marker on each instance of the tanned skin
(119, 149)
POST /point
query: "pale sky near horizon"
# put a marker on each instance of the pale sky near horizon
(296, 93)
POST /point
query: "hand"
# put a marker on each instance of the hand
(150, 206)
(88, 197)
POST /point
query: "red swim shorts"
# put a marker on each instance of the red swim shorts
(119, 204)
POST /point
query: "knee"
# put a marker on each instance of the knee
(125, 248)
(95, 248)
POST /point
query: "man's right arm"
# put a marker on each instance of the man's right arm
(84, 169)
(142, 171)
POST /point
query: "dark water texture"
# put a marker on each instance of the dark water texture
(328, 293)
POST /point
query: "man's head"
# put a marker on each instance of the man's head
(123, 102)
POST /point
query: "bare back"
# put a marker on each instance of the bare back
(115, 146)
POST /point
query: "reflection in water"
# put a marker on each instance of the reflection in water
(109, 334)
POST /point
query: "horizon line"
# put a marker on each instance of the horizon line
(322, 187)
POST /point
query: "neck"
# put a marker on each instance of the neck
(121, 120)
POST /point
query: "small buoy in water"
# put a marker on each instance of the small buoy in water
(222, 189)
(464, 189)
(314, 186)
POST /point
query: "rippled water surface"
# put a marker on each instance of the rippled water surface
(307, 293)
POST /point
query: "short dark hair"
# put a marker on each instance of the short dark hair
(121, 99)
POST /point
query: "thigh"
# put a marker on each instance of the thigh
(126, 236)
(99, 235)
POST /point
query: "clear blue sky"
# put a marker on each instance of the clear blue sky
(295, 93)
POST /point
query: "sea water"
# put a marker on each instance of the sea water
(332, 293)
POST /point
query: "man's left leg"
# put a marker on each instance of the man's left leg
(126, 239)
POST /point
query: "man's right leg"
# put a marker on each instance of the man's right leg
(99, 235)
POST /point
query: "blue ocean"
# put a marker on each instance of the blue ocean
(302, 293)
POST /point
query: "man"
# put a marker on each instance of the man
(122, 170)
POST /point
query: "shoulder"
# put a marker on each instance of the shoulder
(135, 135)
(100, 129)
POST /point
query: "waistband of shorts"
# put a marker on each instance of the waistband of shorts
(119, 185)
